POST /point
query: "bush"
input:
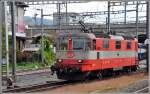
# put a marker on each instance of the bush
(27, 57)
(49, 56)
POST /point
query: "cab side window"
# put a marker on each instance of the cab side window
(118, 44)
(105, 43)
(128, 45)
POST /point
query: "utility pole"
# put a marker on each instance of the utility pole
(42, 42)
(1, 47)
(107, 24)
(35, 15)
(147, 33)
(42, 39)
(137, 17)
(108, 17)
(59, 16)
(13, 20)
(125, 12)
(66, 13)
(6, 38)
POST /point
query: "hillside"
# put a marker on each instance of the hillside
(30, 21)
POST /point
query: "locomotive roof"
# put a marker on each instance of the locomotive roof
(117, 37)
(97, 35)
(87, 35)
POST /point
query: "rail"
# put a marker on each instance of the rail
(142, 90)
(37, 87)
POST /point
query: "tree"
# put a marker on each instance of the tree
(49, 56)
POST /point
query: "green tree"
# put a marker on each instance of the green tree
(49, 55)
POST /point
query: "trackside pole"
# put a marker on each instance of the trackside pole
(1, 47)
(147, 33)
(13, 20)
(6, 37)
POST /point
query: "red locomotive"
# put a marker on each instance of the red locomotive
(83, 55)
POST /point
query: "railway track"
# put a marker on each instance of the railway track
(27, 72)
(142, 90)
(37, 87)
(56, 84)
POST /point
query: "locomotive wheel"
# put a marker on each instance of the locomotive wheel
(99, 75)
(86, 76)
(127, 70)
(134, 68)
(81, 76)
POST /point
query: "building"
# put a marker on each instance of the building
(20, 26)
(66, 18)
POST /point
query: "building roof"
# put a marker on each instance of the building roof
(39, 35)
(21, 4)
(18, 34)
(35, 49)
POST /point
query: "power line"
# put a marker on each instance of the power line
(52, 2)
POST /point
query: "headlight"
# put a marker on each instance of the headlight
(59, 60)
(80, 61)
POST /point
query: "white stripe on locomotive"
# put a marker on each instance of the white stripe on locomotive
(92, 55)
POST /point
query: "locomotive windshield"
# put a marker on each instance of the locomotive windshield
(77, 43)
(63, 44)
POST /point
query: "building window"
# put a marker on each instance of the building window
(118, 44)
(128, 45)
(105, 43)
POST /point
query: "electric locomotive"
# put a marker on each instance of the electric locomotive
(83, 55)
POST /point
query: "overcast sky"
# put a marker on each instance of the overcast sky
(88, 7)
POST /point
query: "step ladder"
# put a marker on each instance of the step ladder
(7, 81)
(5, 68)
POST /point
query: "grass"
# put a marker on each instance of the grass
(28, 66)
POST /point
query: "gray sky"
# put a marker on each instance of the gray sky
(88, 7)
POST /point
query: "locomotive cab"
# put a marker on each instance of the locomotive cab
(73, 48)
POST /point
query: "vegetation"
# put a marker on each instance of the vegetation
(32, 60)
(49, 56)
(29, 65)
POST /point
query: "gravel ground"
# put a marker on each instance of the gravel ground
(134, 86)
(34, 78)
(104, 86)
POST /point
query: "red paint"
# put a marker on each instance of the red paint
(100, 64)
(70, 44)
(99, 45)
(70, 53)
